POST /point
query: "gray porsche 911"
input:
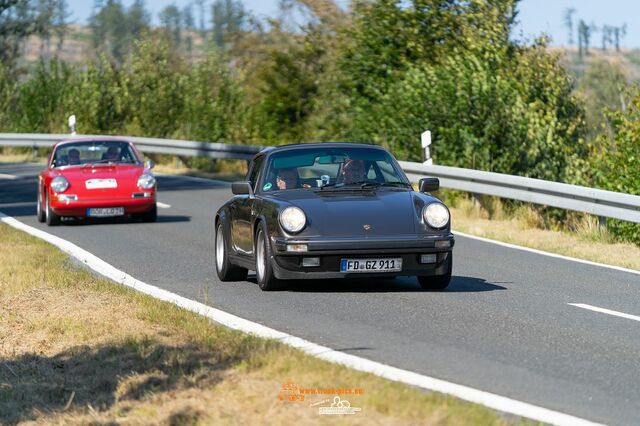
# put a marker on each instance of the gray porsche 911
(332, 210)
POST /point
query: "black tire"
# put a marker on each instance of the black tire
(226, 270)
(41, 214)
(51, 218)
(151, 215)
(438, 282)
(264, 270)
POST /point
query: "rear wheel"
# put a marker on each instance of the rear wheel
(40, 211)
(226, 270)
(438, 282)
(51, 218)
(264, 271)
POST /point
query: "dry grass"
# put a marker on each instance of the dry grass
(524, 226)
(76, 349)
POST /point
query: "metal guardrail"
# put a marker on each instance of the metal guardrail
(147, 145)
(572, 197)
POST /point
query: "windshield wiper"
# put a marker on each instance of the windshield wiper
(378, 184)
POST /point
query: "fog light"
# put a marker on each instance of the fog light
(296, 247)
(443, 244)
(428, 258)
(67, 197)
(310, 261)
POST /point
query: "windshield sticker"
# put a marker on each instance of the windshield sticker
(267, 186)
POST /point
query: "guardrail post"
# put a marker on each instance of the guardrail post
(602, 223)
(425, 140)
(34, 152)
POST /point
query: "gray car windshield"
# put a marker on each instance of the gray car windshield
(331, 168)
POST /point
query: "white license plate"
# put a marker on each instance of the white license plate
(101, 183)
(371, 265)
(106, 212)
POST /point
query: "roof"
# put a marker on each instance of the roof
(310, 145)
(94, 139)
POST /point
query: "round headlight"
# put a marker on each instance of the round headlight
(59, 184)
(436, 215)
(146, 181)
(293, 219)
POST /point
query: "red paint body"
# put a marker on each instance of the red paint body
(125, 174)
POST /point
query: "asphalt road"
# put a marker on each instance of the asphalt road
(504, 324)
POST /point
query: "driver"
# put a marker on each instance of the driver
(112, 154)
(74, 157)
(352, 171)
(287, 178)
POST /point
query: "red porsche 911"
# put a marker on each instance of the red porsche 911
(96, 178)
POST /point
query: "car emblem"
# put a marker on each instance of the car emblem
(366, 227)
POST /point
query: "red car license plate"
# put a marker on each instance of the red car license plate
(106, 212)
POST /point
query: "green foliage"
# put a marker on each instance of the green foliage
(618, 166)
(450, 67)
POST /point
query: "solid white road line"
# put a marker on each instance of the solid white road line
(163, 205)
(546, 253)
(9, 177)
(477, 396)
(605, 311)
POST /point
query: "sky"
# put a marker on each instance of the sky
(535, 17)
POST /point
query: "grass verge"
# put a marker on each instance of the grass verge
(77, 349)
(525, 226)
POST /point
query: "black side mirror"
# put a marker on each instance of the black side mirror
(241, 188)
(429, 184)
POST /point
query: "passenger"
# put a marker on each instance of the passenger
(352, 172)
(74, 157)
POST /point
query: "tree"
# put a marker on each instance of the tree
(18, 20)
(60, 21)
(109, 29)
(171, 21)
(201, 16)
(228, 18)
(568, 22)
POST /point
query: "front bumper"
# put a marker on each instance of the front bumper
(330, 251)
(79, 208)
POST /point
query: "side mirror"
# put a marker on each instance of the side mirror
(149, 164)
(241, 188)
(429, 184)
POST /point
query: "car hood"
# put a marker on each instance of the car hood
(349, 213)
(126, 176)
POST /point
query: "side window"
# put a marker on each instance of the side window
(255, 171)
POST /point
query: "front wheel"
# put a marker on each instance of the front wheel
(226, 270)
(151, 215)
(40, 211)
(264, 270)
(51, 218)
(438, 282)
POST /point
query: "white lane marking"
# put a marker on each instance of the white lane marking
(9, 177)
(477, 396)
(605, 311)
(546, 253)
(163, 205)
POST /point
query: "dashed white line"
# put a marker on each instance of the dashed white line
(605, 311)
(163, 205)
(9, 177)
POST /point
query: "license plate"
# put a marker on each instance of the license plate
(371, 265)
(106, 212)
(101, 183)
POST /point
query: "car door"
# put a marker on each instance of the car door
(242, 212)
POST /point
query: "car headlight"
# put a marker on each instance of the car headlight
(293, 219)
(146, 181)
(59, 184)
(436, 215)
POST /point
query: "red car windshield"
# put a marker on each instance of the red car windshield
(92, 152)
